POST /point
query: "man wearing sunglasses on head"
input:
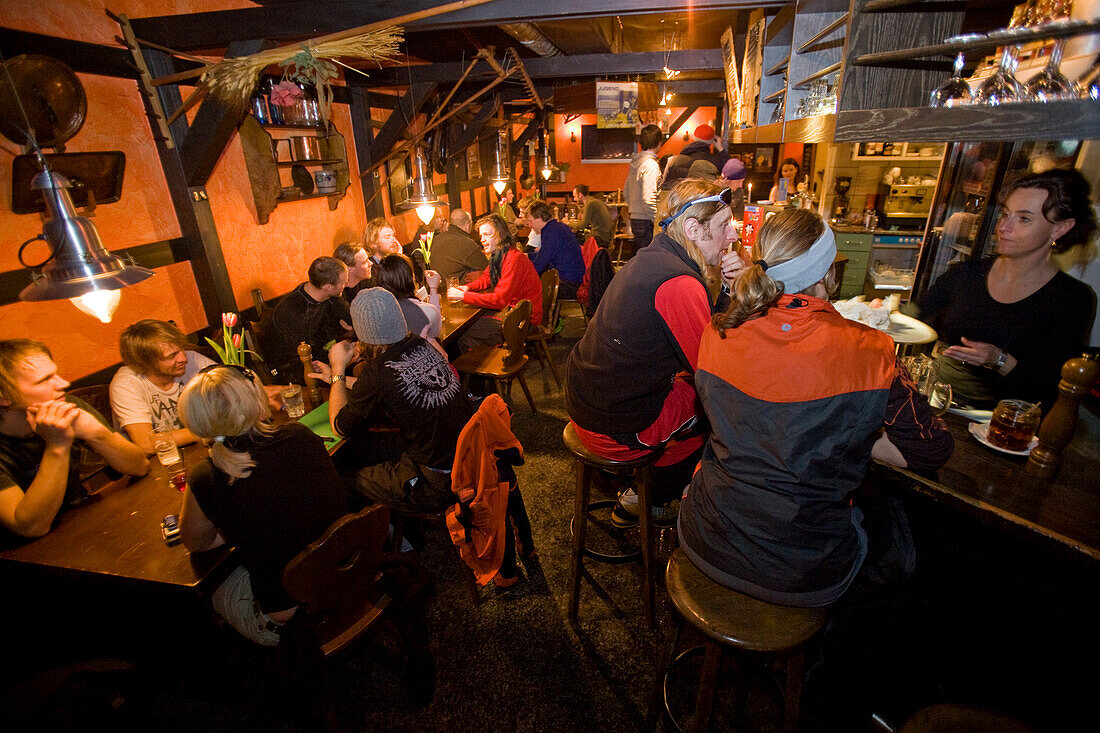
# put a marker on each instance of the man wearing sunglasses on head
(629, 388)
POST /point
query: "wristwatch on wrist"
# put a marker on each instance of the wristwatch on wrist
(1001, 358)
(337, 378)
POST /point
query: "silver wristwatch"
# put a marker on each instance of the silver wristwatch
(337, 378)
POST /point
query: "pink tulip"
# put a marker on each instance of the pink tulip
(236, 340)
(229, 320)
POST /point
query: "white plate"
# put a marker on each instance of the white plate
(980, 430)
(971, 413)
(908, 330)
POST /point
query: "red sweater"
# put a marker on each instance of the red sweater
(518, 281)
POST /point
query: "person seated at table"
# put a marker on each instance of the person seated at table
(799, 399)
(407, 382)
(534, 241)
(41, 433)
(509, 278)
(380, 240)
(628, 387)
(267, 491)
(354, 255)
(455, 254)
(395, 274)
(313, 312)
(558, 249)
(145, 391)
(1013, 319)
(595, 216)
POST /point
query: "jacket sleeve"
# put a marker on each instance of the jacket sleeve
(480, 283)
(651, 174)
(913, 428)
(501, 296)
(683, 304)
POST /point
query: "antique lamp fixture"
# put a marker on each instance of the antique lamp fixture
(423, 198)
(499, 177)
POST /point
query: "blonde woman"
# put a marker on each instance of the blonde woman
(799, 400)
(629, 391)
(268, 491)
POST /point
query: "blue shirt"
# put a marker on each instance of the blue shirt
(560, 250)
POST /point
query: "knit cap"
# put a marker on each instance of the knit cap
(377, 317)
(733, 170)
(704, 134)
(703, 169)
(676, 168)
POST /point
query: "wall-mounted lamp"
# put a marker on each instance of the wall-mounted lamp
(572, 136)
(687, 136)
(423, 198)
(79, 267)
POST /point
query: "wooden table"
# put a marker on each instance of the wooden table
(115, 536)
(457, 316)
(994, 488)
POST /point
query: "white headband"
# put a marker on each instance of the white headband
(803, 271)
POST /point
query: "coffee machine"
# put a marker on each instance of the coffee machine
(840, 203)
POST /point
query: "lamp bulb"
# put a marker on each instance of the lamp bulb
(99, 304)
(499, 186)
(547, 172)
(425, 212)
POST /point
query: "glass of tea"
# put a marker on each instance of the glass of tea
(1013, 424)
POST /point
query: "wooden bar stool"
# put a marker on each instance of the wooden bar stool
(731, 619)
(587, 463)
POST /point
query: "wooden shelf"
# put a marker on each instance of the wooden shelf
(830, 69)
(774, 97)
(823, 32)
(781, 66)
(286, 198)
(1016, 37)
(292, 163)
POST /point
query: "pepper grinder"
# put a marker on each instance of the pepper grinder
(312, 392)
(1078, 376)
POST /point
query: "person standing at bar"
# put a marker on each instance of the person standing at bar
(39, 429)
(1012, 320)
(640, 187)
(629, 382)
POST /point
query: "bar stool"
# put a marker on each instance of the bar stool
(587, 463)
(731, 619)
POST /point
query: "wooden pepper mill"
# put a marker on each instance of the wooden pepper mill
(1078, 376)
(312, 391)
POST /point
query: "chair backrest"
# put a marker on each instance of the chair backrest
(515, 325)
(258, 302)
(336, 577)
(99, 397)
(550, 282)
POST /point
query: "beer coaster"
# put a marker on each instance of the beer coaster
(980, 430)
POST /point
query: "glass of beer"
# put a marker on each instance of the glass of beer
(1013, 425)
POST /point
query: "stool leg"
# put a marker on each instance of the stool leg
(704, 702)
(580, 523)
(792, 698)
(656, 699)
(645, 490)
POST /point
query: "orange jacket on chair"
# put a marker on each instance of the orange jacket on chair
(476, 482)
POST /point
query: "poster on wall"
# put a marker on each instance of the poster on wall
(616, 104)
(751, 68)
(729, 64)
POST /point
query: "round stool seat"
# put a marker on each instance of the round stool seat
(577, 448)
(735, 619)
(962, 719)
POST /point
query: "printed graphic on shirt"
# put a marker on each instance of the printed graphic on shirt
(426, 380)
(163, 408)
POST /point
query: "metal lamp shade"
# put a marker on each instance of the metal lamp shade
(423, 194)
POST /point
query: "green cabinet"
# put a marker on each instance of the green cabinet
(856, 246)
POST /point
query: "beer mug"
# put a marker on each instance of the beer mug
(925, 371)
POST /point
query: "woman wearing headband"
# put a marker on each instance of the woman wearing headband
(267, 491)
(799, 399)
(629, 390)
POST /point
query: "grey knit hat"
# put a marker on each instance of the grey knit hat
(703, 169)
(377, 317)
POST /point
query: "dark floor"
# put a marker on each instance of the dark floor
(515, 663)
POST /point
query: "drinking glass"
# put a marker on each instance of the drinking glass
(1002, 87)
(1013, 424)
(167, 452)
(1089, 82)
(1050, 84)
(293, 402)
(953, 92)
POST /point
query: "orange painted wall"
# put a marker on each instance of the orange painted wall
(610, 176)
(273, 257)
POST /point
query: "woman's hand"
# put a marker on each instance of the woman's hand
(432, 280)
(732, 265)
(977, 353)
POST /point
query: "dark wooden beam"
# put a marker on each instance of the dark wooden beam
(679, 121)
(529, 132)
(473, 130)
(85, 58)
(152, 255)
(312, 18)
(362, 127)
(410, 105)
(215, 123)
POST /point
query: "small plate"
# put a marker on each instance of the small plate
(980, 430)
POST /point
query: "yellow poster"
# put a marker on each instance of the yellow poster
(616, 104)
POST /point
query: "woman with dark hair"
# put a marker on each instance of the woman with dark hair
(268, 491)
(509, 278)
(395, 274)
(1013, 319)
(629, 389)
(799, 399)
(792, 171)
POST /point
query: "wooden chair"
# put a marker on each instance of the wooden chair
(436, 520)
(539, 336)
(258, 302)
(95, 474)
(99, 397)
(502, 364)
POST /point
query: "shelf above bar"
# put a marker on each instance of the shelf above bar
(774, 97)
(982, 45)
(830, 69)
(882, 6)
(778, 67)
(823, 32)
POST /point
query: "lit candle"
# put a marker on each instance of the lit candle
(749, 196)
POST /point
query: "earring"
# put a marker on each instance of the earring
(1053, 243)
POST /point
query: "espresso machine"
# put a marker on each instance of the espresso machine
(907, 205)
(840, 203)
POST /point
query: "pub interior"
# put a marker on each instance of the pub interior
(218, 172)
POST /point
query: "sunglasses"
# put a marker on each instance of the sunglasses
(248, 373)
(726, 197)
